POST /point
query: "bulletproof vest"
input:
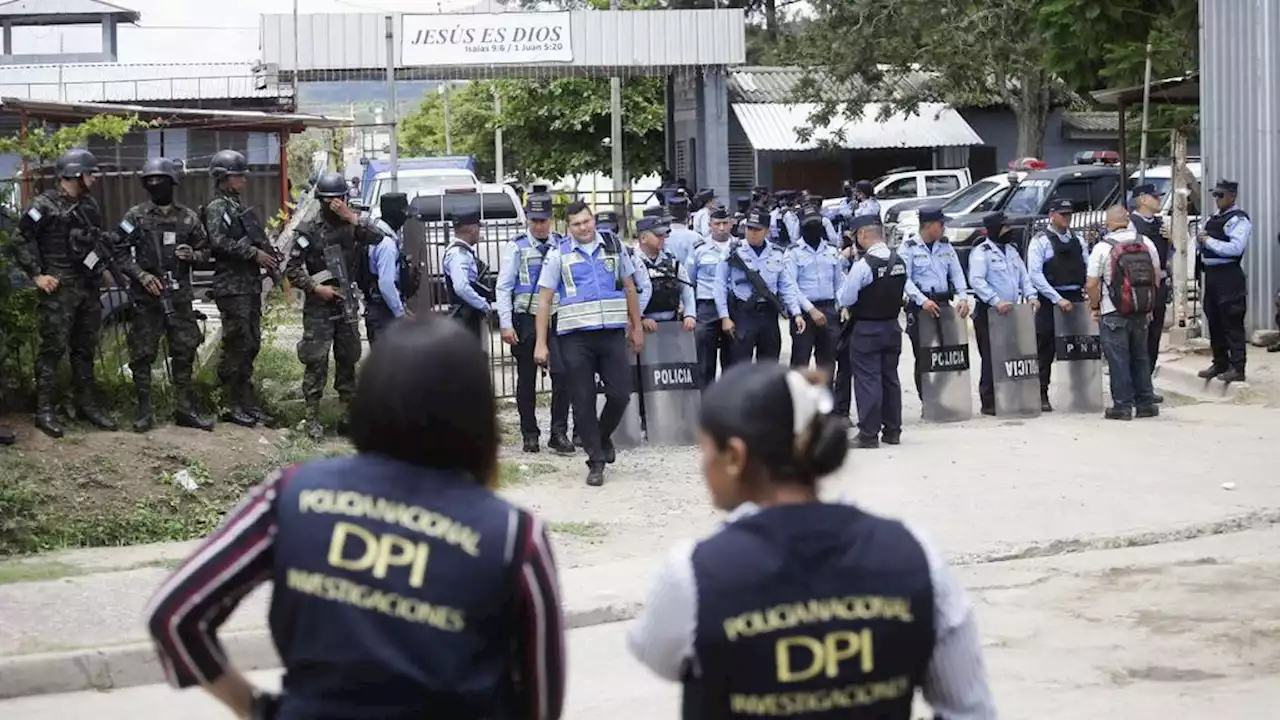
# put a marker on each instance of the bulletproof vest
(481, 271)
(320, 235)
(663, 275)
(882, 299)
(1067, 266)
(1216, 227)
(1150, 229)
(392, 594)
(57, 222)
(818, 610)
(155, 238)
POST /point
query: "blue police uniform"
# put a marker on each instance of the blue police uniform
(817, 267)
(680, 241)
(700, 222)
(996, 274)
(1225, 291)
(669, 292)
(462, 271)
(933, 273)
(873, 290)
(517, 302)
(383, 302)
(589, 279)
(1056, 263)
(755, 318)
(713, 344)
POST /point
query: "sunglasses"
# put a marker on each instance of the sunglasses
(1218, 194)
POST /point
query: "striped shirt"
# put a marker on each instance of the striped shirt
(955, 684)
(184, 615)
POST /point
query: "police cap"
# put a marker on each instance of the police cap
(720, 213)
(539, 189)
(1145, 189)
(678, 197)
(653, 225)
(862, 221)
(607, 220)
(865, 187)
(1226, 187)
(809, 215)
(757, 218)
(742, 202)
(538, 207)
(469, 217)
(704, 196)
(932, 216)
(1061, 206)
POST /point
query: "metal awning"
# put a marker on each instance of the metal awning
(772, 126)
(172, 117)
(1181, 90)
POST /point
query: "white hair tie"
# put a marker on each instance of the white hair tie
(807, 401)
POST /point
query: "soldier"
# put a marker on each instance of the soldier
(517, 292)
(999, 279)
(680, 238)
(324, 324)
(873, 293)
(160, 241)
(384, 298)
(934, 277)
(816, 265)
(240, 257)
(704, 260)
(1221, 246)
(469, 298)
(668, 291)
(1056, 261)
(62, 248)
(752, 290)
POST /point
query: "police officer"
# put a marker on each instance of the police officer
(741, 205)
(815, 263)
(782, 220)
(607, 222)
(861, 200)
(705, 202)
(239, 259)
(62, 248)
(873, 293)
(160, 240)
(810, 205)
(1147, 222)
(1221, 245)
(934, 277)
(594, 279)
(749, 618)
(704, 261)
(468, 301)
(481, 634)
(999, 280)
(517, 293)
(1057, 259)
(749, 310)
(384, 298)
(669, 293)
(324, 324)
(680, 239)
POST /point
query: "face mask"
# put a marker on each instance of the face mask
(395, 219)
(812, 233)
(161, 193)
(329, 215)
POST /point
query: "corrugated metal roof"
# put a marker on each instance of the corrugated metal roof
(772, 126)
(18, 8)
(764, 84)
(179, 117)
(600, 38)
(116, 82)
(1092, 121)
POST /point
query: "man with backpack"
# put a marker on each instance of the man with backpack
(1123, 286)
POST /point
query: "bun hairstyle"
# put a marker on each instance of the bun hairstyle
(783, 417)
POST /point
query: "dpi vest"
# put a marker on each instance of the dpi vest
(816, 610)
(591, 290)
(1067, 266)
(882, 299)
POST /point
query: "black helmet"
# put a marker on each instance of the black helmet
(160, 167)
(226, 163)
(331, 185)
(75, 163)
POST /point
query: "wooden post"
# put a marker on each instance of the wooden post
(1124, 148)
(1184, 324)
(284, 171)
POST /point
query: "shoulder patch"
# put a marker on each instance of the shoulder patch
(303, 242)
(127, 227)
(35, 214)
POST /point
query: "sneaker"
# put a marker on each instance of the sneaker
(1148, 412)
(1118, 414)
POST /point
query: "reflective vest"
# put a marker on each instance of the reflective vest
(392, 587)
(524, 295)
(814, 611)
(591, 290)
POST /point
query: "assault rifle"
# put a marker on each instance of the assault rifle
(257, 234)
(90, 242)
(336, 262)
(758, 285)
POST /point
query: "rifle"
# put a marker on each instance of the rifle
(337, 264)
(758, 285)
(92, 241)
(257, 234)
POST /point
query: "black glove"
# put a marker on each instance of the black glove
(265, 706)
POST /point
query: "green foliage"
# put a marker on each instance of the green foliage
(550, 129)
(41, 143)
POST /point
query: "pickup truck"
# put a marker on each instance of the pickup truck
(904, 184)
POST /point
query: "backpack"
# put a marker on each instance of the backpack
(1133, 277)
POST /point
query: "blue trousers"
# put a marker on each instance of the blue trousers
(874, 349)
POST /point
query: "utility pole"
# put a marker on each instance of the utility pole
(295, 55)
(499, 172)
(1185, 324)
(615, 134)
(448, 121)
(395, 114)
(1146, 122)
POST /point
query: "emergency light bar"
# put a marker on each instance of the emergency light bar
(1027, 164)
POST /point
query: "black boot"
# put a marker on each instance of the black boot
(89, 412)
(237, 415)
(255, 411)
(595, 475)
(560, 443)
(531, 444)
(7, 437)
(1232, 375)
(1211, 372)
(312, 426)
(145, 419)
(1044, 404)
(610, 452)
(47, 423)
(185, 414)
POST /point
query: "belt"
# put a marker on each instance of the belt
(706, 302)
(943, 296)
(824, 303)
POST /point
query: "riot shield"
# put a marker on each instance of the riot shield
(943, 361)
(669, 385)
(1077, 366)
(1015, 371)
(630, 433)
(414, 247)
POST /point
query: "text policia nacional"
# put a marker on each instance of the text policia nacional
(801, 657)
(354, 548)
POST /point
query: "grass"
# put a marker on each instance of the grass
(35, 571)
(580, 529)
(513, 473)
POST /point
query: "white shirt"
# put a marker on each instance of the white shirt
(1100, 263)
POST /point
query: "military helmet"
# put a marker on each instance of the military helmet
(331, 185)
(226, 163)
(160, 167)
(75, 163)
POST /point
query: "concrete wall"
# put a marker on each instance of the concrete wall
(698, 129)
(999, 129)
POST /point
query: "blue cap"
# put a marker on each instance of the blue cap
(538, 207)
(1145, 189)
(720, 213)
(653, 225)
(607, 219)
(1062, 206)
(810, 214)
(932, 216)
(466, 218)
(1227, 186)
(862, 221)
(678, 197)
(704, 196)
(758, 218)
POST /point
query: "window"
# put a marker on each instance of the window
(1075, 190)
(967, 197)
(1028, 197)
(1102, 191)
(901, 189)
(993, 202)
(939, 185)
(492, 206)
(424, 184)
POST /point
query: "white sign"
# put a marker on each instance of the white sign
(494, 39)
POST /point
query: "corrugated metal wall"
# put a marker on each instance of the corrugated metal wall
(1240, 128)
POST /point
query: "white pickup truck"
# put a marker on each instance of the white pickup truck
(902, 184)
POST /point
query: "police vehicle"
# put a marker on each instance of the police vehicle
(980, 197)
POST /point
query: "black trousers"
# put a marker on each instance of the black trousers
(588, 353)
(1046, 340)
(817, 342)
(527, 378)
(1225, 297)
(713, 344)
(756, 335)
(982, 332)
(1155, 328)
(874, 350)
(377, 317)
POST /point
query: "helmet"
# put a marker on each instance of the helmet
(331, 185)
(160, 167)
(227, 162)
(75, 163)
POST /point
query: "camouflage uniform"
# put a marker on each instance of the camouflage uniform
(6, 435)
(151, 233)
(323, 324)
(237, 290)
(55, 237)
